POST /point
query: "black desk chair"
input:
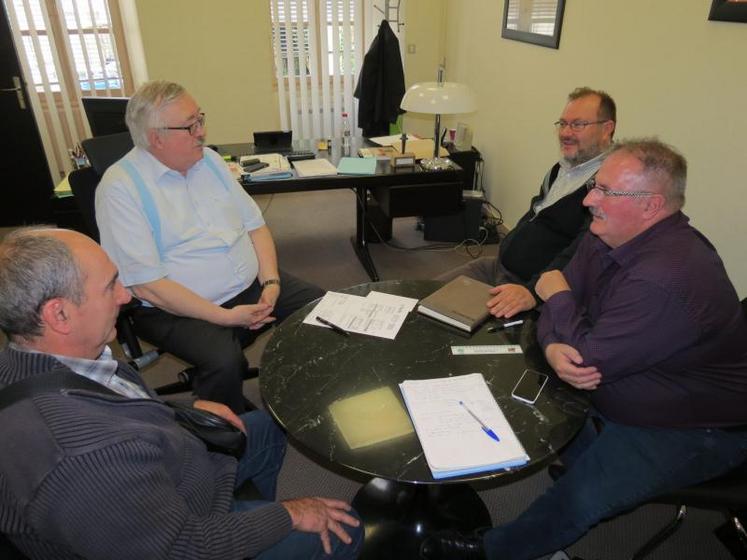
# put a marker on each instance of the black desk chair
(727, 494)
(103, 151)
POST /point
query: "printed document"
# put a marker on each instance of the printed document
(379, 314)
(452, 434)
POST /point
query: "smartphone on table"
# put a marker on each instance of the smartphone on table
(529, 386)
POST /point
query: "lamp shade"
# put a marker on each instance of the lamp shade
(439, 98)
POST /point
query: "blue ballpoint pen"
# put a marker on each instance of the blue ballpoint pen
(484, 426)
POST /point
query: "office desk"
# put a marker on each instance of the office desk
(306, 368)
(401, 192)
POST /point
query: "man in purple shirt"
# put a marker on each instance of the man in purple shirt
(645, 318)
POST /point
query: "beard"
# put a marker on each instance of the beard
(585, 154)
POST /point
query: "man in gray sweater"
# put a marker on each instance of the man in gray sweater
(85, 474)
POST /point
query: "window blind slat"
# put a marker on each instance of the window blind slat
(276, 5)
(291, 70)
(313, 79)
(326, 109)
(303, 84)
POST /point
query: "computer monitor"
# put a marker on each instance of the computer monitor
(106, 115)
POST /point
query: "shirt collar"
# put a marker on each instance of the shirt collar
(102, 370)
(157, 169)
(105, 364)
(629, 250)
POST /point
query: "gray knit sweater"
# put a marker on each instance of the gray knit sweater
(94, 476)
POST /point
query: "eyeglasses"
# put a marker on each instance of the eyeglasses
(192, 128)
(592, 185)
(575, 126)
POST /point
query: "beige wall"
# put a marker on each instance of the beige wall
(672, 72)
(425, 30)
(222, 52)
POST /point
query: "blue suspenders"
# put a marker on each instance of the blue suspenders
(149, 206)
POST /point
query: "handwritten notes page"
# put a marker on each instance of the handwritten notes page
(378, 314)
(454, 442)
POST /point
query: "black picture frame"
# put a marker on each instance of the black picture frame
(728, 10)
(551, 41)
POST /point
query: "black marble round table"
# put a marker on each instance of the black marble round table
(306, 368)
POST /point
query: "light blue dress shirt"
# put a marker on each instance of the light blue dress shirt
(204, 225)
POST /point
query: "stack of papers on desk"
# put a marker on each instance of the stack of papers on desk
(377, 314)
(314, 167)
(390, 140)
(421, 148)
(384, 153)
(277, 168)
(453, 440)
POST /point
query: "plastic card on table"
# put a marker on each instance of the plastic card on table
(369, 418)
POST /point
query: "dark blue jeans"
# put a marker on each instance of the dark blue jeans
(612, 472)
(261, 463)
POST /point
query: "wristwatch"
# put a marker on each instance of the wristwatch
(270, 282)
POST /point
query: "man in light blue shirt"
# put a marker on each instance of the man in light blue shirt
(191, 244)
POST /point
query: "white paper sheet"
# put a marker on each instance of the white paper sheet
(453, 441)
(375, 316)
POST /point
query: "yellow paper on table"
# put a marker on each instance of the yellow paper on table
(370, 418)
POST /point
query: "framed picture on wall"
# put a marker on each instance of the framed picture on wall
(728, 10)
(533, 21)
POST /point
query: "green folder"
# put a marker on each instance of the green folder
(356, 166)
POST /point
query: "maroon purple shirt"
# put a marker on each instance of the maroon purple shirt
(660, 319)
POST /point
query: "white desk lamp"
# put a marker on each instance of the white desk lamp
(438, 98)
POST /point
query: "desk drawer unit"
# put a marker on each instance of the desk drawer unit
(419, 200)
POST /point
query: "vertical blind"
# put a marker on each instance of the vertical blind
(318, 48)
(66, 49)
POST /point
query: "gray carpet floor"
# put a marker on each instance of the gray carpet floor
(312, 233)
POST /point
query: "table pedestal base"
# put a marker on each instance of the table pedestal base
(397, 516)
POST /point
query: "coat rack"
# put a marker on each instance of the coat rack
(391, 7)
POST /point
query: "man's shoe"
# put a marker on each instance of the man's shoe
(452, 545)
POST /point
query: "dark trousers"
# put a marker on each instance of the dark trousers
(485, 269)
(610, 472)
(218, 352)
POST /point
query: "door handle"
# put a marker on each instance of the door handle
(18, 89)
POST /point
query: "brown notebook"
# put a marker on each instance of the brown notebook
(460, 303)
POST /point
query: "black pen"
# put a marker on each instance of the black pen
(506, 325)
(332, 326)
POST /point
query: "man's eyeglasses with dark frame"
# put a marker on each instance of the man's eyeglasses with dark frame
(576, 126)
(592, 185)
(192, 128)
